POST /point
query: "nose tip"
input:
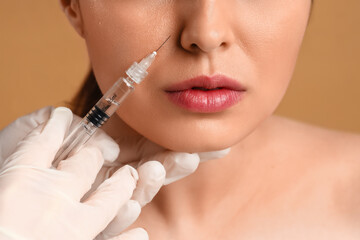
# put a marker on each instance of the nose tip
(206, 28)
(203, 39)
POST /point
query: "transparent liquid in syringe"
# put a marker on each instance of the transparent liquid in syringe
(114, 97)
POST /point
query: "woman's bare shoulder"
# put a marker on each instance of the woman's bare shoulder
(331, 164)
(318, 141)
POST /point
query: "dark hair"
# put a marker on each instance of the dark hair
(87, 96)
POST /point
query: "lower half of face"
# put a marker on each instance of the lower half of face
(224, 70)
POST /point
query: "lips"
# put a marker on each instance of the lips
(206, 94)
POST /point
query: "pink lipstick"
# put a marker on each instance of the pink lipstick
(206, 94)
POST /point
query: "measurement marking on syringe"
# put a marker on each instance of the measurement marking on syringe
(112, 101)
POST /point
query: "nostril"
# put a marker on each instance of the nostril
(193, 46)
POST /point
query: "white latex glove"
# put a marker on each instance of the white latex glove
(39, 202)
(156, 166)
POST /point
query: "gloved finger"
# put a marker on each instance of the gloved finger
(44, 141)
(11, 135)
(177, 164)
(151, 179)
(205, 156)
(109, 148)
(133, 234)
(59, 122)
(111, 195)
(84, 166)
(126, 216)
(134, 149)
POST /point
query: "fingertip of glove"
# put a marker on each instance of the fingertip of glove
(152, 170)
(109, 148)
(179, 165)
(54, 130)
(133, 206)
(191, 156)
(64, 114)
(204, 156)
(127, 169)
(224, 152)
(112, 152)
(140, 233)
(136, 233)
(133, 172)
(62, 110)
(178, 157)
(123, 180)
(187, 160)
(143, 233)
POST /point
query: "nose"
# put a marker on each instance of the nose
(207, 27)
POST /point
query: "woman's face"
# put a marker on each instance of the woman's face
(255, 43)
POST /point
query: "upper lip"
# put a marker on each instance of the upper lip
(207, 82)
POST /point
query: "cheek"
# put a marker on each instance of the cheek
(119, 32)
(273, 41)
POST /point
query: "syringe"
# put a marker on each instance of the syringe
(105, 107)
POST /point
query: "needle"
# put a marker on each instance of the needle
(163, 44)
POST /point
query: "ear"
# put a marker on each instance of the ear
(72, 11)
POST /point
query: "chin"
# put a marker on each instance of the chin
(199, 143)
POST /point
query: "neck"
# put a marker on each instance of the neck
(218, 183)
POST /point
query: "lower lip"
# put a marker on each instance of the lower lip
(205, 101)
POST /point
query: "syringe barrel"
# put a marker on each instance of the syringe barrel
(112, 99)
(95, 118)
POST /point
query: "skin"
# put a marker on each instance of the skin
(208, 37)
(280, 178)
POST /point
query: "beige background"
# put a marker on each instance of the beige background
(43, 62)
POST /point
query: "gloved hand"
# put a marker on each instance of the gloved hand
(156, 166)
(39, 202)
